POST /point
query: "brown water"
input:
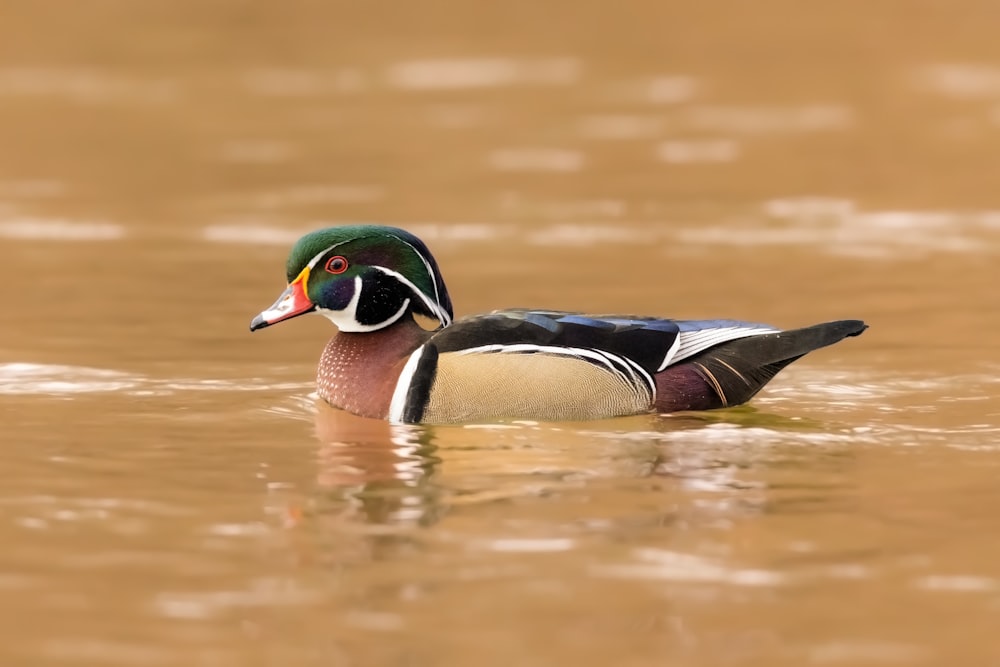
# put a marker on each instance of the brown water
(174, 496)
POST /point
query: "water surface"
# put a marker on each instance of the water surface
(175, 495)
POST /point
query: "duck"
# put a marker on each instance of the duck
(373, 281)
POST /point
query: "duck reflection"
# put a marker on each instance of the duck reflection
(375, 472)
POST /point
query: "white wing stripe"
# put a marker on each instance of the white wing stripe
(693, 342)
(670, 353)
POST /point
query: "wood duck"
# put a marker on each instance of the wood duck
(545, 365)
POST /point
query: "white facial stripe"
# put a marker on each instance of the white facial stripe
(433, 306)
(398, 403)
(434, 281)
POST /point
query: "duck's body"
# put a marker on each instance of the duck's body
(513, 364)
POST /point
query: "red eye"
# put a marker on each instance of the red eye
(336, 264)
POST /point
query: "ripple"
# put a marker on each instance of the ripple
(59, 229)
(465, 73)
(27, 378)
(960, 80)
(455, 231)
(621, 127)
(583, 234)
(251, 233)
(123, 516)
(16, 582)
(251, 529)
(709, 150)
(292, 82)
(130, 504)
(19, 378)
(832, 226)
(866, 652)
(83, 85)
(259, 151)
(103, 651)
(164, 387)
(672, 89)
(662, 90)
(740, 436)
(588, 210)
(372, 620)
(662, 565)
(263, 593)
(299, 408)
(839, 227)
(528, 545)
(829, 225)
(306, 194)
(536, 159)
(254, 233)
(457, 116)
(32, 189)
(832, 385)
(770, 120)
(957, 583)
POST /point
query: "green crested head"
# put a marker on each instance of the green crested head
(362, 277)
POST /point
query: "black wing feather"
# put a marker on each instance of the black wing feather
(644, 341)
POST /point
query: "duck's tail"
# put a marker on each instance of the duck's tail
(731, 373)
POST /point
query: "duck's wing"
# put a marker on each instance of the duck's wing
(648, 342)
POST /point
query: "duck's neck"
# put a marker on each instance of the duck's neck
(358, 371)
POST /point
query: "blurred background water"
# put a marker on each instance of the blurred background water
(174, 495)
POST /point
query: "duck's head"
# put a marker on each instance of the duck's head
(362, 278)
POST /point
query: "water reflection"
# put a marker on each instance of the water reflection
(371, 474)
(376, 473)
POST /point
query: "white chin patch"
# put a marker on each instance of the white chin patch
(344, 320)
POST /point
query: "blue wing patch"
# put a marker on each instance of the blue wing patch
(700, 325)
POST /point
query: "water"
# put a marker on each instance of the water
(174, 494)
